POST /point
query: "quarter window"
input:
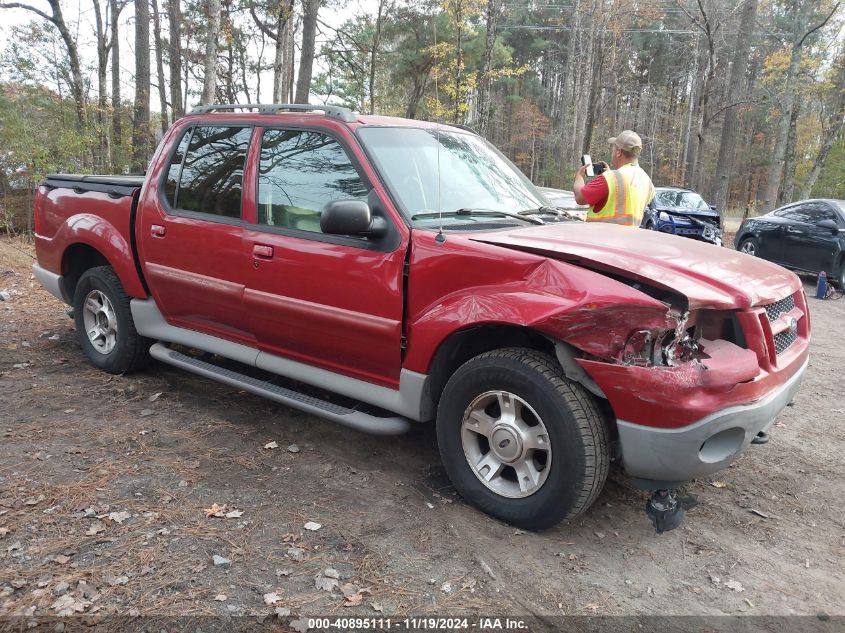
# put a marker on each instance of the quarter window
(299, 173)
(209, 171)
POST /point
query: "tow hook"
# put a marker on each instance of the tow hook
(761, 438)
(666, 510)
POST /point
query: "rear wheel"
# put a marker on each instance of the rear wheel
(840, 278)
(520, 441)
(104, 324)
(749, 246)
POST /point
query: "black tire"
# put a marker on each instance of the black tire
(130, 350)
(576, 431)
(749, 243)
(650, 225)
(840, 277)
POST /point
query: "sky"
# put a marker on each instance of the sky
(79, 15)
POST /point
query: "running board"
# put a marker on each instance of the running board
(329, 410)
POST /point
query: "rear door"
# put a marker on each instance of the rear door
(191, 235)
(798, 236)
(327, 300)
(819, 246)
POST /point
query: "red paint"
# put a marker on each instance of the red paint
(344, 308)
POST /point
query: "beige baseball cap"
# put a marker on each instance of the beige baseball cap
(628, 140)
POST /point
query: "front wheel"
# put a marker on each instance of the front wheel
(520, 441)
(749, 246)
(104, 323)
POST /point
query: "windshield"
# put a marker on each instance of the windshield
(472, 174)
(681, 200)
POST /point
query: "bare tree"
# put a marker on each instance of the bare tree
(116, 123)
(306, 59)
(209, 86)
(802, 14)
(174, 53)
(832, 129)
(280, 34)
(159, 52)
(736, 80)
(103, 46)
(56, 18)
(141, 140)
(493, 14)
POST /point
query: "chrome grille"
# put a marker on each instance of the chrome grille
(784, 340)
(774, 310)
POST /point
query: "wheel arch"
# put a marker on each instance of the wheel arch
(468, 342)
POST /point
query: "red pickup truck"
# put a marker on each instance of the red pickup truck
(411, 273)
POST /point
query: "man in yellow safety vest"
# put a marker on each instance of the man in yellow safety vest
(617, 195)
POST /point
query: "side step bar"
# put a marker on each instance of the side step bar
(329, 410)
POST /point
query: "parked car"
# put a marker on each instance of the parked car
(411, 270)
(565, 200)
(683, 212)
(808, 236)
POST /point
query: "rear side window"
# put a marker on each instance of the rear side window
(299, 173)
(207, 173)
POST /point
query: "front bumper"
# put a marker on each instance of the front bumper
(676, 455)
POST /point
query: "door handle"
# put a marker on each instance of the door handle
(157, 230)
(262, 251)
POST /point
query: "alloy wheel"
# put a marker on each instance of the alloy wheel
(506, 444)
(100, 322)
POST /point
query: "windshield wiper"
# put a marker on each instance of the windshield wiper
(555, 211)
(481, 212)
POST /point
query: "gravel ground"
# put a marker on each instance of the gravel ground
(106, 484)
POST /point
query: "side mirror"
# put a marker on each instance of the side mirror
(712, 207)
(828, 224)
(351, 217)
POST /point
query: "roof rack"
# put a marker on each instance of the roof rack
(337, 112)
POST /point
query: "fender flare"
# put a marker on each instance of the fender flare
(106, 239)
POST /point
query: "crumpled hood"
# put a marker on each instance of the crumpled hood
(708, 276)
(698, 213)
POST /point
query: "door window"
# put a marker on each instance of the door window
(299, 173)
(206, 173)
(803, 213)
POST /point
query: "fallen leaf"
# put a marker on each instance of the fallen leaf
(95, 529)
(119, 517)
(114, 581)
(61, 559)
(718, 484)
(735, 585)
(221, 597)
(234, 514)
(715, 579)
(377, 607)
(353, 601)
(272, 444)
(327, 580)
(215, 511)
(282, 612)
(300, 626)
(146, 412)
(312, 526)
(3, 531)
(155, 396)
(271, 598)
(34, 500)
(348, 589)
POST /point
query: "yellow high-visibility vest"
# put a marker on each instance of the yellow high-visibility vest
(629, 190)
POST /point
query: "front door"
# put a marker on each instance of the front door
(326, 300)
(191, 237)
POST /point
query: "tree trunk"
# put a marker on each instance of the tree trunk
(288, 57)
(306, 60)
(493, 10)
(209, 86)
(104, 157)
(727, 144)
(141, 111)
(174, 53)
(788, 187)
(162, 89)
(371, 83)
(116, 124)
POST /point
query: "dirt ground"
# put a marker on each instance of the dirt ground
(105, 481)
